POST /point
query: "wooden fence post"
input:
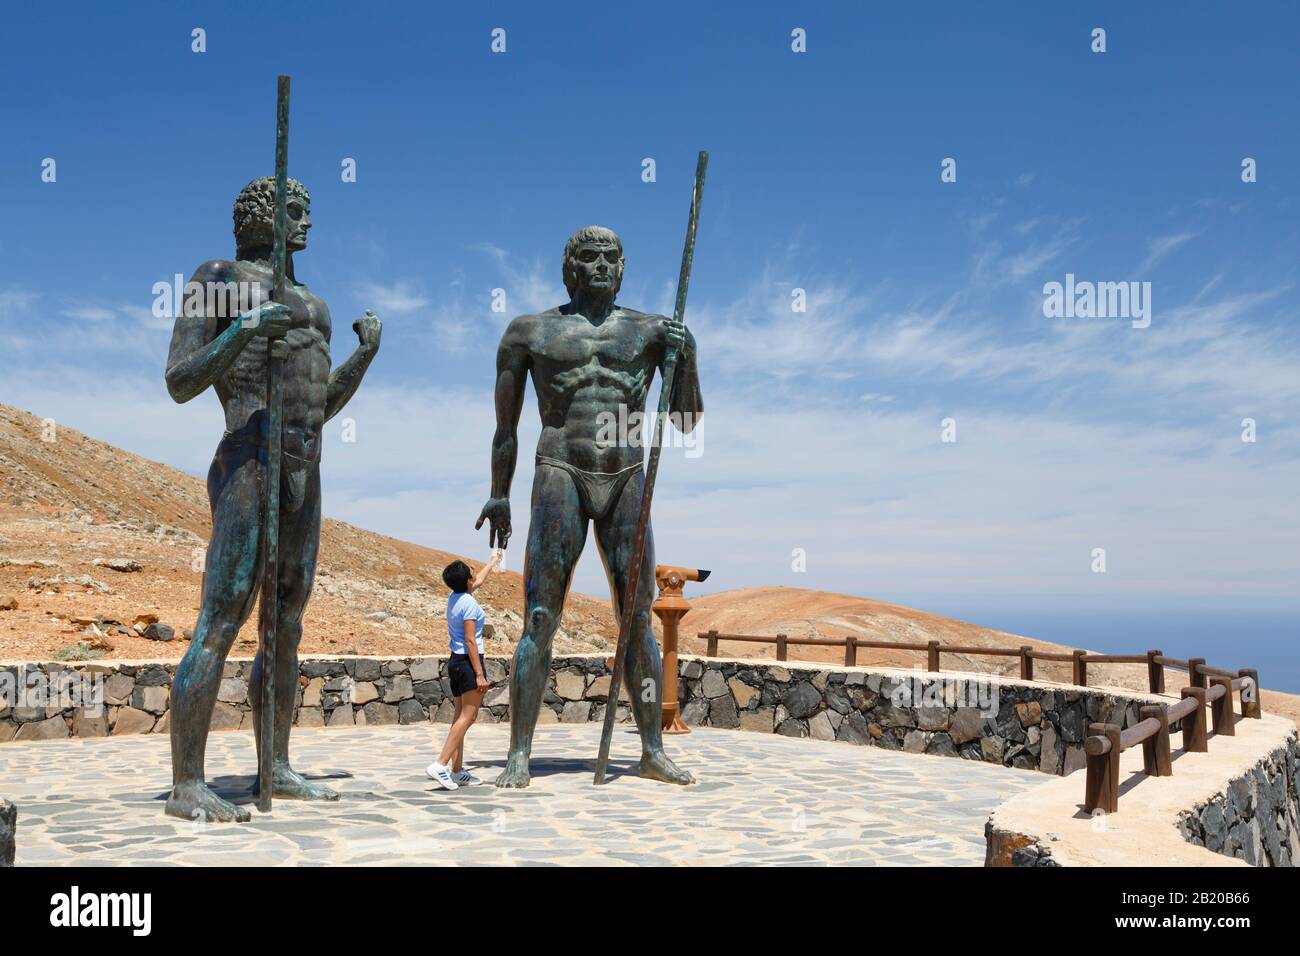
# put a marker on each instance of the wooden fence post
(1194, 671)
(1194, 723)
(1250, 703)
(850, 651)
(932, 657)
(1155, 672)
(1026, 662)
(780, 647)
(1101, 785)
(713, 644)
(1080, 668)
(1221, 709)
(1155, 749)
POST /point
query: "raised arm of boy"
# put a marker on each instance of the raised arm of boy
(477, 581)
(471, 626)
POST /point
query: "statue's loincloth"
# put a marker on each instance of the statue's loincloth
(597, 490)
(294, 469)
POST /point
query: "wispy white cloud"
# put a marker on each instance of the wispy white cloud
(997, 266)
(530, 285)
(89, 313)
(397, 299)
(1160, 247)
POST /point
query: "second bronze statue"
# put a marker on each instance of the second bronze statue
(592, 363)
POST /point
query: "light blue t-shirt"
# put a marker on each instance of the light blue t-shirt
(461, 608)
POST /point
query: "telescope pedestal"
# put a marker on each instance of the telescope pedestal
(670, 608)
(671, 719)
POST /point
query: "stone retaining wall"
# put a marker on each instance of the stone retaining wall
(1017, 724)
(1256, 817)
(334, 692)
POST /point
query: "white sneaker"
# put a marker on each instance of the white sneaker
(441, 776)
(466, 779)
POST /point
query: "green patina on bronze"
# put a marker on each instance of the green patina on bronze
(586, 358)
(228, 350)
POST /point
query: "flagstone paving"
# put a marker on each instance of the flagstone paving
(760, 799)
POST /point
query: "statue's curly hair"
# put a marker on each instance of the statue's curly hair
(589, 234)
(255, 211)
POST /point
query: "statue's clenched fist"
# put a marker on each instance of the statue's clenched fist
(368, 329)
(675, 332)
(269, 320)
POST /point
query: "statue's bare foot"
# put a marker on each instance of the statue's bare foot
(291, 785)
(196, 801)
(655, 765)
(516, 772)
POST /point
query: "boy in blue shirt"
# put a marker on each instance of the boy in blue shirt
(465, 621)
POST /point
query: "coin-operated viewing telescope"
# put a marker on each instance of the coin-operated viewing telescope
(670, 608)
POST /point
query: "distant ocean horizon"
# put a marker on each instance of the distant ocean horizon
(1262, 633)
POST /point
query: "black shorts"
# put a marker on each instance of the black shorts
(461, 673)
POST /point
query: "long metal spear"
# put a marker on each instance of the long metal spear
(627, 602)
(270, 606)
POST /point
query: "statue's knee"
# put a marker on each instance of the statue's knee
(222, 636)
(541, 623)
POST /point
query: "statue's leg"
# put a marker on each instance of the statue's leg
(299, 544)
(557, 532)
(231, 574)
(643, 667)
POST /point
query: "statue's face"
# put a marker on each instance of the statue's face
(299, 223)
(598, 267)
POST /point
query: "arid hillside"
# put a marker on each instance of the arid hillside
(94, 539)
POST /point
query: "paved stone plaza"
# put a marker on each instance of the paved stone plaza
(761, 799)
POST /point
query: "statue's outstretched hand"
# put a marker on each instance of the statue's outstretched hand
(497, 513)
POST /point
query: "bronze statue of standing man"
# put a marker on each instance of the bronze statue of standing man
(589, 360)
(215, 345)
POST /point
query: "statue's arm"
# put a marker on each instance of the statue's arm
(345, 379)
(512, 374)
(686, 399)
(198, 357)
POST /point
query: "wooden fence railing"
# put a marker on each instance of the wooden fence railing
(1156, 661)
(1106, 741)
(1210, 686)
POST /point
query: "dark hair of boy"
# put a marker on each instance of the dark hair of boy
(456, 576)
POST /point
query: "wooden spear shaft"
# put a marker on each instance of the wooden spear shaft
(627, 602)
(270, 607)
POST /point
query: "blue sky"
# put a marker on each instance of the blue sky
(822, 429)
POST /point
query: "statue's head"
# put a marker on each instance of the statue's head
(593, 260)
(255, 215)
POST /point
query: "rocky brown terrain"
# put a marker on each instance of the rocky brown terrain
(97, 545)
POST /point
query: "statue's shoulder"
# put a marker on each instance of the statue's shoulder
(216, 270)
(646, 323)
(522, 328)
(638, 316)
